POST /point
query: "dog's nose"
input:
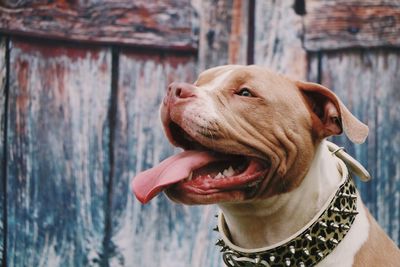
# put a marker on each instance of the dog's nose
(181, 90)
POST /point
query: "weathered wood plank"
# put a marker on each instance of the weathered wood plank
(367, 82)
(343, 24)
(278, 38)
(160, 233)
(2, 132)
(57, 154)
(223, 32)
(166, 24)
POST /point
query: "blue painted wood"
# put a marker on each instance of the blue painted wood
(2, 131)
(160, 233)
(57, 154)
(367, 82)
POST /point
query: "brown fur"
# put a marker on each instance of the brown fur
(378, 250)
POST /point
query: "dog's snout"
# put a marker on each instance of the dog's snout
(181, 90)
(178, 92)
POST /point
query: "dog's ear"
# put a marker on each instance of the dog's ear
(329, 114)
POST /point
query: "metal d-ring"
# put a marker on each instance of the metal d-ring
(337, 150)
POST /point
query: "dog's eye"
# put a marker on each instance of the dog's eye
(245, 92)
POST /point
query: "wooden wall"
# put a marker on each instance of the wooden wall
(3, 74)
(80, 86)
(57, 153)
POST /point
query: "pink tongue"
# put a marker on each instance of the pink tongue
(149, 183)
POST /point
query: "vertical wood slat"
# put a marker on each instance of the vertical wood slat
(278, 38)
(367, 82)
(160, 233)
(223, 32)
(3, 89)
(58, 154)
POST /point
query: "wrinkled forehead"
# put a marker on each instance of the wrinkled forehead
(213, 77)
(237, 75)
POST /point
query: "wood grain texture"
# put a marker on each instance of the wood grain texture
(2, 132)
(367, 82)
(57, 154)
(164, 24)
(343, 24)
(278, 38)
(160, 233)
(223, 32)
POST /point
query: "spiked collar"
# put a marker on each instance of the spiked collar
(308, 246)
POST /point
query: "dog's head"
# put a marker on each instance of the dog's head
(248, 134)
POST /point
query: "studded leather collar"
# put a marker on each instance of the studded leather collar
(307, 247)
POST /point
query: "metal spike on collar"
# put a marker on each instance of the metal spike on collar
(309, 237)
(272, 258)
(323, 224)
(321, 238)
(288, 262)
(306, 252)
(220, 242)
(334, 225)
(333, 241)
(257, 260)
(334, 209)
(301, 264)
(348, 212)
(344, 226)
(292, 250)
(320, 254)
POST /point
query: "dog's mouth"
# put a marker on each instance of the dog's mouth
(201, 174)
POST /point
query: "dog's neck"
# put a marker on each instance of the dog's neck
(264, 223)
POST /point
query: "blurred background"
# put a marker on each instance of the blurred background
(80, 86)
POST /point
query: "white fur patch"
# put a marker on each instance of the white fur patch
(217, 82)
(203, 110)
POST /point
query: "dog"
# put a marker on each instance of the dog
(255, 143)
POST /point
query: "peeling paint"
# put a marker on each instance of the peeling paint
(58, 150)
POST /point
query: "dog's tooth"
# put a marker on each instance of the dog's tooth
(229, 171)
(190, 176)
(219, 175)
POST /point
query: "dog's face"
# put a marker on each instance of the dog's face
(243, 111)
(259, 128)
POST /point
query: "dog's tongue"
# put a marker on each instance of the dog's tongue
(149, 183)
